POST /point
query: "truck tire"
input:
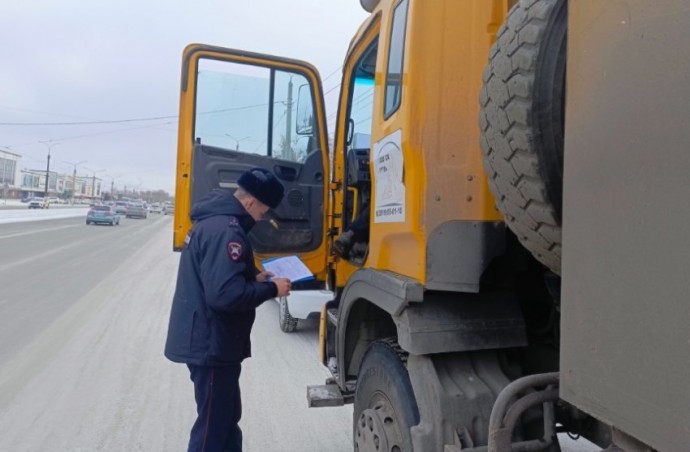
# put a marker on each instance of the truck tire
(522, 117)
(384, 408)
(288, 324)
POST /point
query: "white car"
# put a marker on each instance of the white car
(301, 304)
(38, 203)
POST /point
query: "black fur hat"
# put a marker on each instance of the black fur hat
(263, 185)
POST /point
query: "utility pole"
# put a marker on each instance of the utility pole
(74, 178)
(93, 182)
(50, 145)
(112, 184)
(74, 183)
(237, 142)
(45, 190)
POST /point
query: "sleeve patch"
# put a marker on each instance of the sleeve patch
(234, 250)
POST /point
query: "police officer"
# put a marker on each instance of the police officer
(213, 310)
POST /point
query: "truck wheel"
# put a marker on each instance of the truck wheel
(384, 408)
(288, 324)
(522, 119)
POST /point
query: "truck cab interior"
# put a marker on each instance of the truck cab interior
(357, 149)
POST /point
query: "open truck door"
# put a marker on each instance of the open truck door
(240, 110)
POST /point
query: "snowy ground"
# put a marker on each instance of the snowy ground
(82, 329)
(11, 202)
(14, 211)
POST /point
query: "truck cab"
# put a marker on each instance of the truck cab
(459, 324)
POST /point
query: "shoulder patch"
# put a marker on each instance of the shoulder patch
(234, 250)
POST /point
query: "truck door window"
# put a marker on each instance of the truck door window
(252, 109)
(393, 93)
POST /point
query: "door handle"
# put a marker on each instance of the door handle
(285, 172)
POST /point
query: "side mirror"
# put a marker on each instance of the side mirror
(304, 124)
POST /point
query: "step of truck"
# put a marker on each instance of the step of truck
(324, 395)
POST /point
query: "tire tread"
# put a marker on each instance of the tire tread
(512, 166)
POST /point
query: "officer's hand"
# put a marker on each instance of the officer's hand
(283, 285)
(264, 276)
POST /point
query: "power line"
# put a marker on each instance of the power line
(336, 86)
(274, 129)
(120, 121)
(332, 74)
(85, 123)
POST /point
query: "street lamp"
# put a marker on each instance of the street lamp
(50, 145)
(74, 178)
(93, 184)
(237, 142)
(112, 184)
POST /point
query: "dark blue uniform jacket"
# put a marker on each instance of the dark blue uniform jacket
(217, 294)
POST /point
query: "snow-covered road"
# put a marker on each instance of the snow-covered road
(83, 319)
(20, 215)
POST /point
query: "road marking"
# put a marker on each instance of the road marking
(37, 231)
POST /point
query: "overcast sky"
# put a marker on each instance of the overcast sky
(91, 60)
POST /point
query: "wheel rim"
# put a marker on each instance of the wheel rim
(378, 428)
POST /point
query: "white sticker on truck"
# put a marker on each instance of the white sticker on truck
(389, 206)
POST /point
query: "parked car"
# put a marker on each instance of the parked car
(136, 210)
(301, 304)
(168, 209)
(39, 203)
(121, 207)
(102, 214)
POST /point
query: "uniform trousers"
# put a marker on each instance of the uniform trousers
(218, 407)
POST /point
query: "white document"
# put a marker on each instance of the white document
(290, 267)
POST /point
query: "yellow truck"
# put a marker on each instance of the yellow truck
(525, 167)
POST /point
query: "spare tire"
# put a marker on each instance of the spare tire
(522, 118)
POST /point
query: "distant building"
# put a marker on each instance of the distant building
(34, 183)
(9, 175)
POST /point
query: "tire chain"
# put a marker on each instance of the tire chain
(392, 343)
